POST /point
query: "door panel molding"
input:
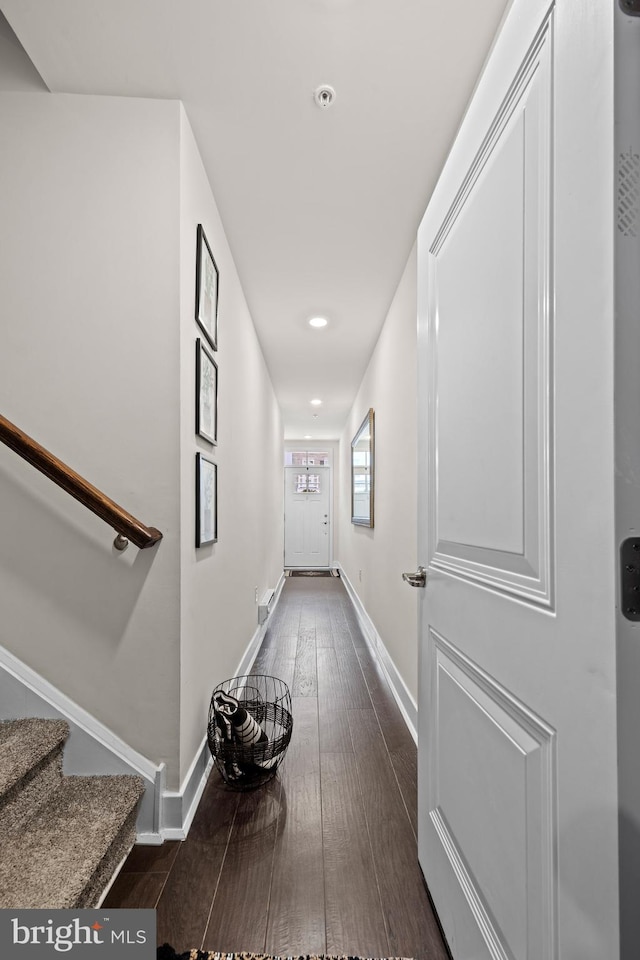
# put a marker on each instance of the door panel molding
(473, 722)
(518, 794)
(519, 559)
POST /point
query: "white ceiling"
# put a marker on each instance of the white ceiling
(320, 206)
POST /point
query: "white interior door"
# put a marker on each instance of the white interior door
(517, 698)
(306, 516)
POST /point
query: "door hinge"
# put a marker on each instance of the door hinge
(630, 7)
(630, 577)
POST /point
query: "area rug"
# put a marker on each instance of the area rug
(312, 573)
(165, 952)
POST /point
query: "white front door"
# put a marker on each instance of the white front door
(306, 516)
(517, 692)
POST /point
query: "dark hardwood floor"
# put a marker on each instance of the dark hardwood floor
(323, 859)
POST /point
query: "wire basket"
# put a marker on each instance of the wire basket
(244, 766)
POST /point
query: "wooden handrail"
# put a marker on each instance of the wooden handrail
(109, 511)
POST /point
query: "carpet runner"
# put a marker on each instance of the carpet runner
(166, 952)
(312, 573)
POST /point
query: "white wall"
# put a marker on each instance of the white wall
(219, 610)
(97, 346)
(374, 559)
(90, 299)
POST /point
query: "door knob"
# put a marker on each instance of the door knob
(417, 579)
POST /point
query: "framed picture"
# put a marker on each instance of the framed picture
(206, 501)
(206, 394)
(206, 289)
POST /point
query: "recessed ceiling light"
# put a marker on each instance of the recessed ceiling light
(307, 436)
(318, 322)
(316, 402)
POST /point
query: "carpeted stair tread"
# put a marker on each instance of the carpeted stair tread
(60, 849)
(24, 744)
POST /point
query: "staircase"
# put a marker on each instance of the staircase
(61, 838)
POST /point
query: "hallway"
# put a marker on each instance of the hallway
(323, 859)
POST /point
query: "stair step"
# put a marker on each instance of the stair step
(30, 767)
(24, 744)
(66, 853)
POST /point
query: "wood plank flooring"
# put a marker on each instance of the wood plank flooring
(323, 859)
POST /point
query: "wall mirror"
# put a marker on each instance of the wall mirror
(362, 485)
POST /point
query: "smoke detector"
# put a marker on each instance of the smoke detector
(324, 96)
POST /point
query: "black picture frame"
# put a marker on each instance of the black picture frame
(206, 501)
(207, 287)
(206, 394)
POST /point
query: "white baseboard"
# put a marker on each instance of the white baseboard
(180, 807)
(94, 749)
(407, 705)
(251, 652)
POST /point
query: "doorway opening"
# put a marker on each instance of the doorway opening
(307, 509)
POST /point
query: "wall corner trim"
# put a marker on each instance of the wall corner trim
(407, 705)
(179, 807)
